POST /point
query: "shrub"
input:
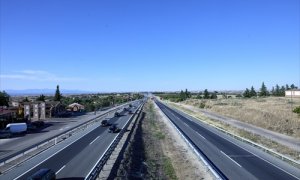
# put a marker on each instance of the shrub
(202, 105)
(297, 110)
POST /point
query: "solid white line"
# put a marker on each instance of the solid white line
(50, 156)
(231, 159)
(107, 148)
(94, 140)
(200, 135)
(263, 159)
(244, 148)
(60, 169)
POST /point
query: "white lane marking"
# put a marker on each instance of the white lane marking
(263, 159)
(231, 159)
(94, 140)
(50, 156)
(186, 124)
(107, 149)
(60, 169)
(200, 135)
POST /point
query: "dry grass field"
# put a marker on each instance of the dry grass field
(273, 113)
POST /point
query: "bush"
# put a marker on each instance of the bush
(297, 110)
(202, 105)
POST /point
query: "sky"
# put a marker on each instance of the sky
(149, 45)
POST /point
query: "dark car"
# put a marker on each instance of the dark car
(117, 114)
(43, 174)
(105, 123)
(113, 129)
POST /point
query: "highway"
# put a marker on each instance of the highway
(53, 127)
(75, 157)
(231, 159)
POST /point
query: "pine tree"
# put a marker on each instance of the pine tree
(263, 90)
(246, 93)
(57, 96)
(206, 94)
(277, 91)
(282, 91)
(253, 92)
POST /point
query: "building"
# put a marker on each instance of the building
(292, 93)
(75, 107)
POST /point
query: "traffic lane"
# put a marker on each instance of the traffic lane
(57, 161)
(228, 168)
(248, 160)
(252, 163)
(64, 156)
(80, 166)
(52, 129)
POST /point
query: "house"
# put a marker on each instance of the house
(292, 93)
(75, 107)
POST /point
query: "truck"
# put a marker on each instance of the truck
(13, 128)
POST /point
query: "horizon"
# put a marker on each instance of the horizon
(135, 46)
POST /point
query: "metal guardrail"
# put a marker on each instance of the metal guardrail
(55, 138)
(207, 162)
(93, 174)
(265, 149)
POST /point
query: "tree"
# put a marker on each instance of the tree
(206, 94)
(277, 91)
(246, 93)
(4, 98)
(26, 99)
(287, 87)
(187, 94)
(252, 92)
(294, 87)
(263, 90)
(57, 96)
(282, 91)
(41, 98)
(214, 95)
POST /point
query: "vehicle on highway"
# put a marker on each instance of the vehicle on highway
(117, 114)
(130, 105)
(105, 123)
(43, 174)
(130, 111)
(13, 128)
(114, 129)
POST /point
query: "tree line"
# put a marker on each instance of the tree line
(263, 91)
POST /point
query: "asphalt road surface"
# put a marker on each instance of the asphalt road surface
(75, 157)
(230, 159)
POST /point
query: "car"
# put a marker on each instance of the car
(117, 114)
(113, 129)
(130, 112)
(43, 174)
(105, 123)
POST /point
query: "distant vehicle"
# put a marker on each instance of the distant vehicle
(130, 112)
(13, 128)
(125, 109)
(105, 123)
(113, 129)
(43, 174)
(130, 105)
(117, 114)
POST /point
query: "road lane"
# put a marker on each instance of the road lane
(255, 166)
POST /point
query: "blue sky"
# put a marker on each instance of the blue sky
(134, 45)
